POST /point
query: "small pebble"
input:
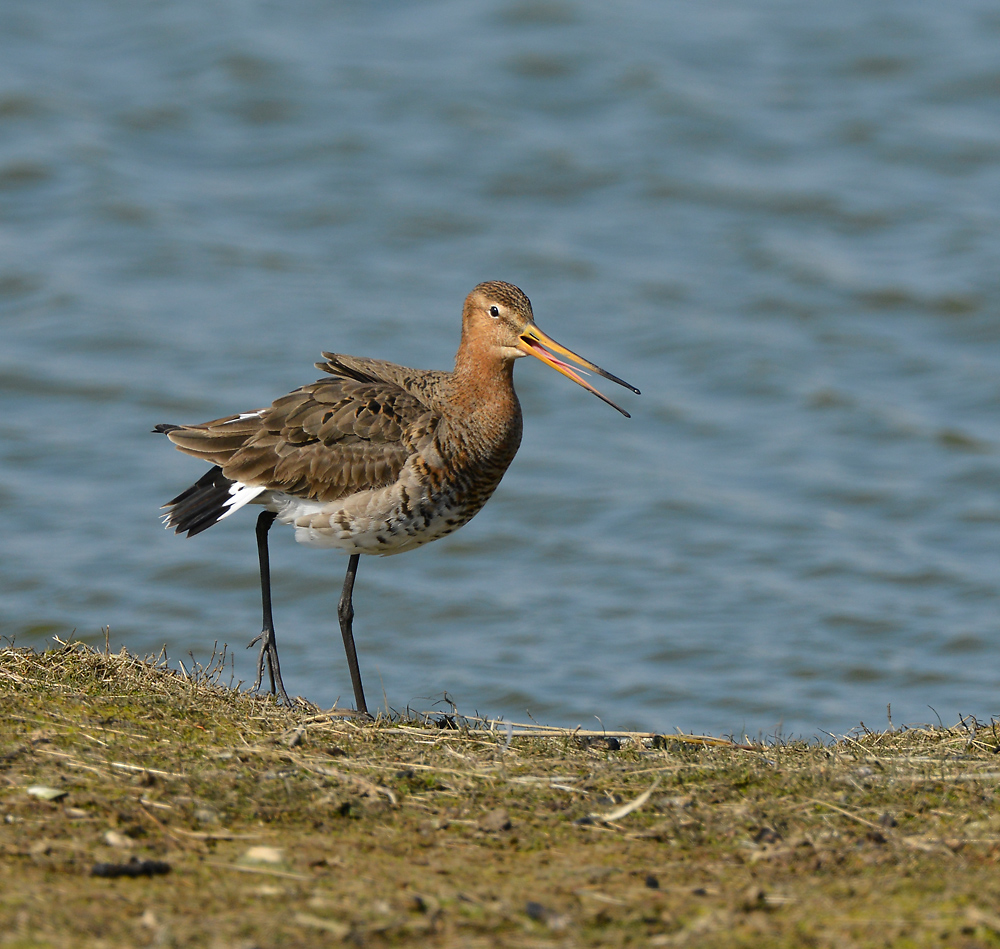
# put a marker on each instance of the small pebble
(535, 911)
(263, 854)
(496, 820)
(134, 868)
(766, 835)
(754, 898)
(44, 793)
(114, 839)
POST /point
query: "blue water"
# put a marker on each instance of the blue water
(778, 220)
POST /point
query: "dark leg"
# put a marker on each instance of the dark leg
(268, 644)
(345, 611)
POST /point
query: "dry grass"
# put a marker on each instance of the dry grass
(298, 827)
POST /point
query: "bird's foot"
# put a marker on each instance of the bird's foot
(269, 654)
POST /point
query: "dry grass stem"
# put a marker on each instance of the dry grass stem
(440, 830)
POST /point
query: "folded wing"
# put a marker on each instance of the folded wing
(349, 432)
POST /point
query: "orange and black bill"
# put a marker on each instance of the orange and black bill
(533, 339)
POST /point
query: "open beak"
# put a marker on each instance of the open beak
(532, 340)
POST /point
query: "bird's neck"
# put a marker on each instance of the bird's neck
(483, 397)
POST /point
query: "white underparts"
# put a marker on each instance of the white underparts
(365, 523)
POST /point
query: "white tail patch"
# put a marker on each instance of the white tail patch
(242, 494)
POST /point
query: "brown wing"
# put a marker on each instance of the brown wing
(324, 441)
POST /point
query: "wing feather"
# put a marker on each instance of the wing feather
(351, 431)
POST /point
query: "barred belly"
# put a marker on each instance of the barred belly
(373, 522)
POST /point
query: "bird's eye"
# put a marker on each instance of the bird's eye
(495, 312)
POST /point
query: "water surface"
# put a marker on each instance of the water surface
(779, 221)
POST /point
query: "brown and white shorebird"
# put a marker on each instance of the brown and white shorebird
(374, 458)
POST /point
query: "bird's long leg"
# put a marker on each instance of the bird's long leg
(345, 612)
(268, 643)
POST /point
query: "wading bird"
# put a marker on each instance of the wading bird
(374, 458)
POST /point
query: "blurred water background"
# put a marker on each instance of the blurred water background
(780, 220)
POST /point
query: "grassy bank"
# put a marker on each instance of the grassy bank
(214, 818)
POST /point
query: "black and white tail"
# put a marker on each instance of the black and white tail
(205, 503)
(211, 498)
